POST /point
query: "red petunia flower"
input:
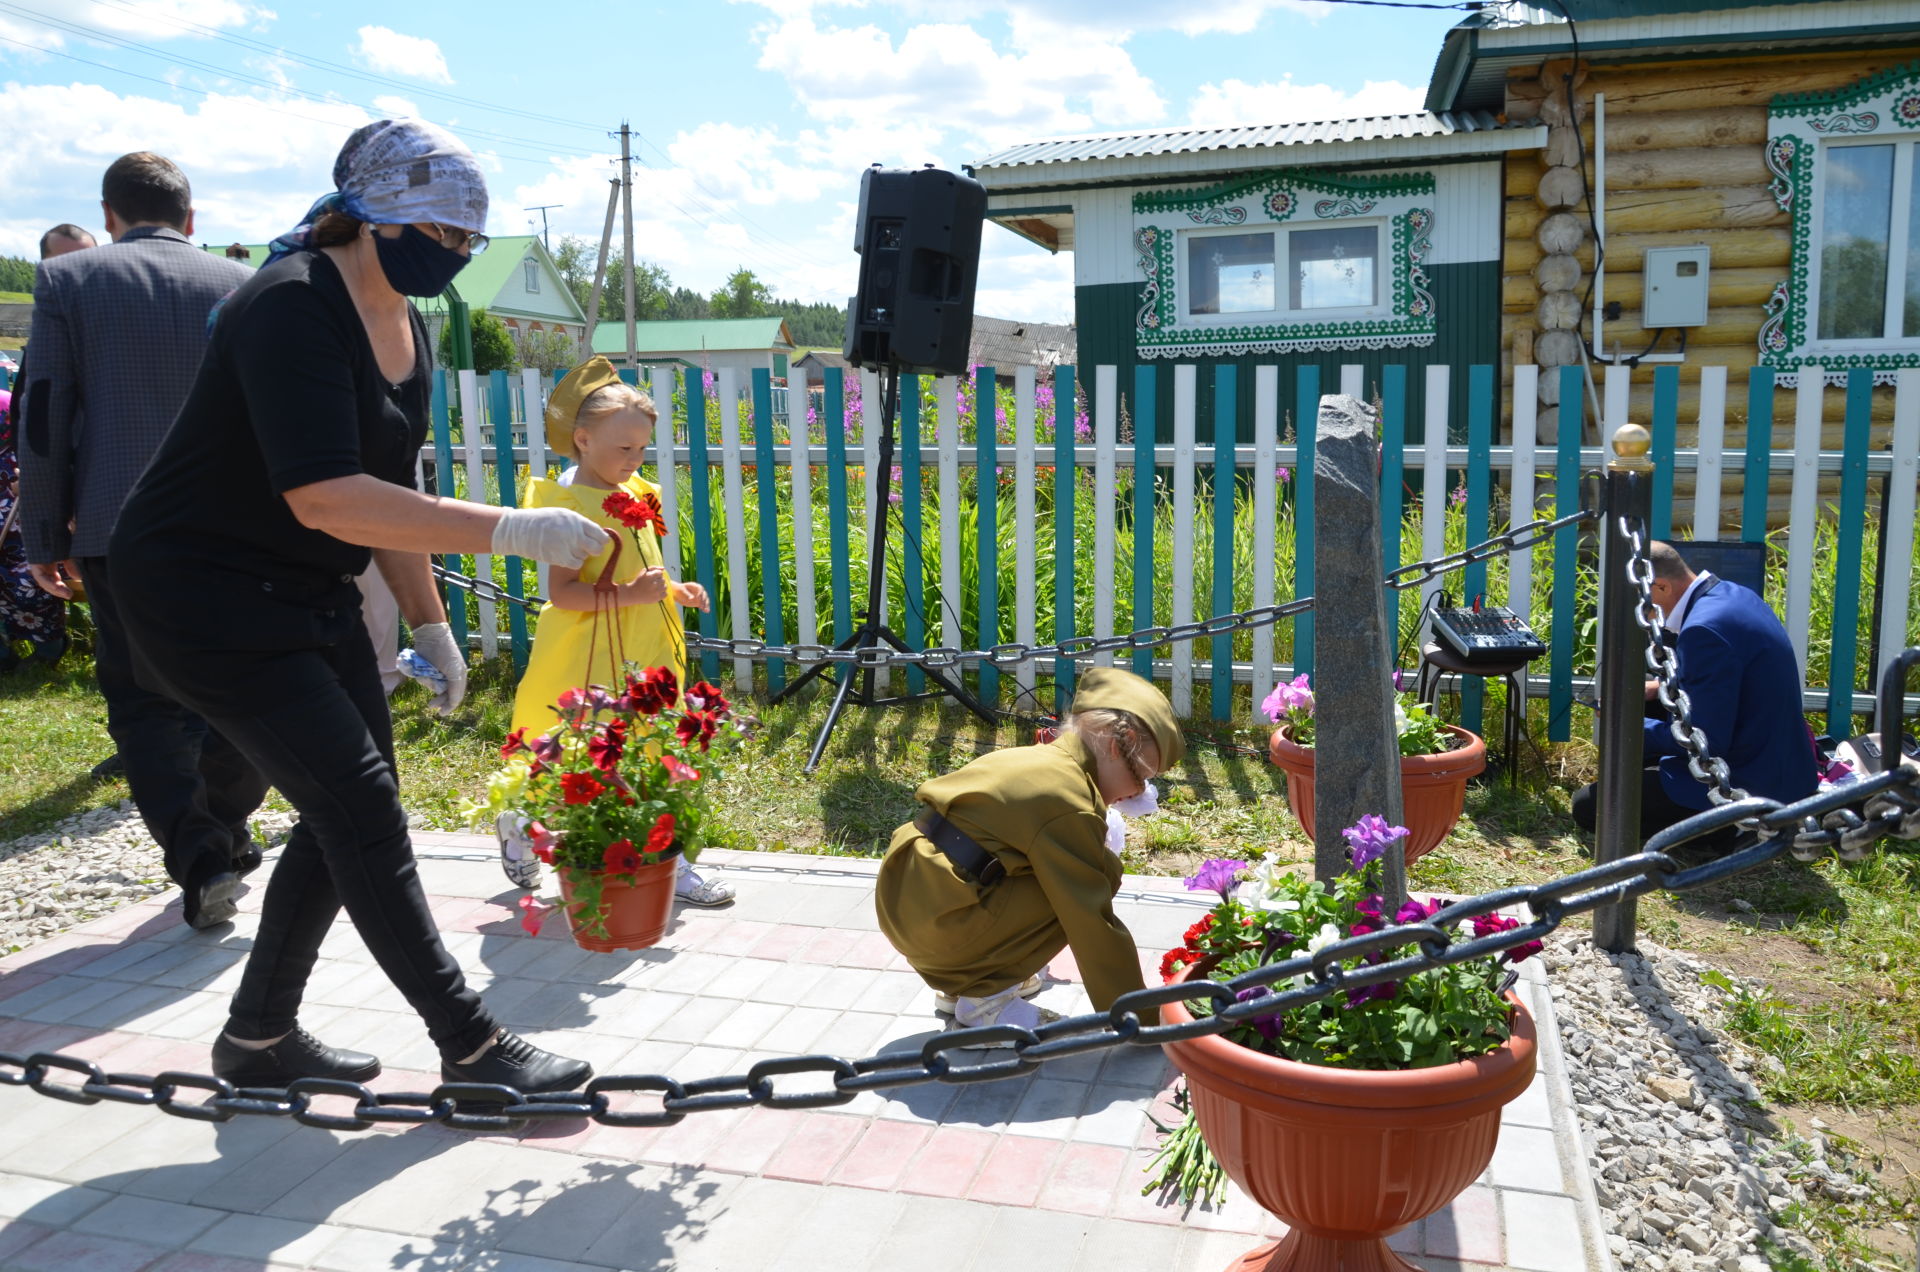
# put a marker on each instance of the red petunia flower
(621, 858)
(651, 692)
(678, 770)
(660, 838)
(516, 742)
(702, 696)
(607, 745)
(1172, 961)
(1199, 930)
(697, 727)
(532, 915)
(542, 841)
(580, 788)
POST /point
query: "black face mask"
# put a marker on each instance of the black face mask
(414, 264)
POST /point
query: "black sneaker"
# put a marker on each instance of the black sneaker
(517, 1063)
(210, 901)
(108, 769)
(247, 862)
(298, 1055)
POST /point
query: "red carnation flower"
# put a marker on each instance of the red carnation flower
(580, 788)
(660, 838)
(621, 857)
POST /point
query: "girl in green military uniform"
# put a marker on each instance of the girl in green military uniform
(1009, 861)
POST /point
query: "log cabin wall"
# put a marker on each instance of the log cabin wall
(1684, 166)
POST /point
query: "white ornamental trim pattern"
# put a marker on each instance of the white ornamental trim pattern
(1274, 198)
(1888, 104)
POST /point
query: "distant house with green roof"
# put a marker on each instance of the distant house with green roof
(712, 344)
(515, 280)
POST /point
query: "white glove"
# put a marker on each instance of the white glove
(435, 643)
(557, 536)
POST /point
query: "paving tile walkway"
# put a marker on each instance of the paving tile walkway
(1041, 1171)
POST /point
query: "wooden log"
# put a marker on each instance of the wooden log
(1546, 422)
(1686, 168)
(1737, 325)
(1556, 349)
(1630, 131)
(1706, 214)
(1559, 272)
(1690, 85)
(1757, 247)
(1728, 289)
(1558, 311)
(1549, 390)
(1522, 345)
(1565, 147)
(1561, 188)
(1562, 232)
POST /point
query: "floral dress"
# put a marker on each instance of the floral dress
(26, 612)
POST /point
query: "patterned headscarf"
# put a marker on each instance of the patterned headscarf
(395, 171)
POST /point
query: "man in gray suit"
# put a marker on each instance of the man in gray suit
(118, 333)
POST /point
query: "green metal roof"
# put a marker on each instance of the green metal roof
(682, 335)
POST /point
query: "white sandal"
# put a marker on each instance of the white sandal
(943, 1004)
(516, 850)
(1003, 1008)
(708, 894)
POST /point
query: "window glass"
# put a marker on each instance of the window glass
(1333, 268)
(1910, 301)
(1230, 274)
(1856, 213)
(533, 275)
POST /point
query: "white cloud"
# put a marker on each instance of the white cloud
(1234, 102)
(391, 53)
(394, 107)
(953, 74)
(255, 161)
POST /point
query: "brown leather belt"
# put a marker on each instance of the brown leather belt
(958, 847)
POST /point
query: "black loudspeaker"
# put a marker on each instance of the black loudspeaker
(918, 236)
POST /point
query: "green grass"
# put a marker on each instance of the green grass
(16, 298)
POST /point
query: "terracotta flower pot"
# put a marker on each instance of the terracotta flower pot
(1347, 1156)
(1433, 788)
(637, 913)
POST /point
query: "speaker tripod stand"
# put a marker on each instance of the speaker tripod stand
(873, 632)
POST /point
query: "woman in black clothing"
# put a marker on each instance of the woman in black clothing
(235, 559)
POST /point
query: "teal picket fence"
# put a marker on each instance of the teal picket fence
(1019, 512)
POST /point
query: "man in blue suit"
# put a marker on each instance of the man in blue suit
(1742, 680)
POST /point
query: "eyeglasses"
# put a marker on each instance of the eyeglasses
(453, 238)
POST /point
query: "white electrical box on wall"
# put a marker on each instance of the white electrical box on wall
(1676, 280)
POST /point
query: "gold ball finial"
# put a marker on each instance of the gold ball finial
(1631, 443)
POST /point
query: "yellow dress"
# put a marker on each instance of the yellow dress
(651, 634)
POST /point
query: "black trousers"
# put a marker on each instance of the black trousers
(193, 789)
(313, 720)
(1658, 810)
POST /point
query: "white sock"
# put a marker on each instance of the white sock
(1003, 1008)
(248, 1044)
(485, 1047)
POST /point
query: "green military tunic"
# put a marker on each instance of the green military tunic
(1038, 809)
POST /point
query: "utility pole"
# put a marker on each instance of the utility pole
(542, 210)
(626, 214)
(600, 268)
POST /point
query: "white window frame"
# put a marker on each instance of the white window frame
(1282, 267)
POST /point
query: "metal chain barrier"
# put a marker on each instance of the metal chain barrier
(1849, 818)
(944, 658)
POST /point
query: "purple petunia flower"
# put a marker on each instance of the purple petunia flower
(1268, 1026)
(1368, 838)
(1417, 911)
(1289, 697)
(1216, 875)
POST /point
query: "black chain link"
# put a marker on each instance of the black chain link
(1076, 648)
(1888, 806)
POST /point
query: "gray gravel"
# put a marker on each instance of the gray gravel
(86, 866)
(1689, 1170)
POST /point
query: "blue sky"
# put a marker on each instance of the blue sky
(754, 120)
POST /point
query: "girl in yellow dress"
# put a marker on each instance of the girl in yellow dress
(606, 424)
